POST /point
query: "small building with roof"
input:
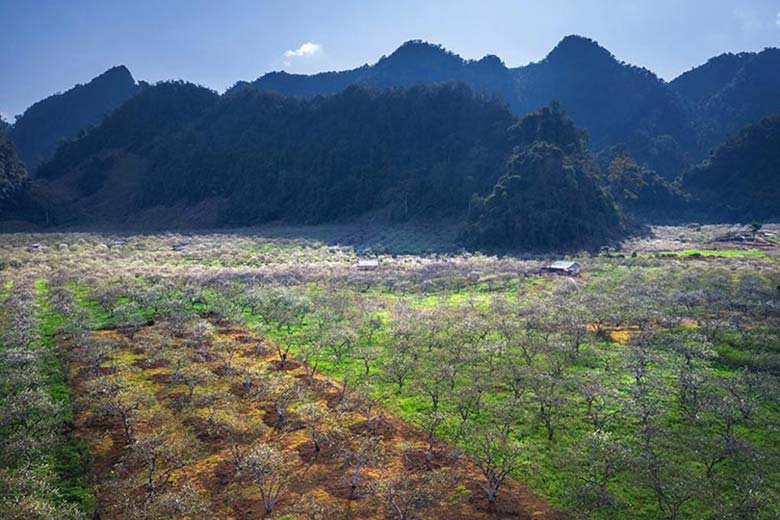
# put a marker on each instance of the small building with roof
(563, 267)
(367, 264)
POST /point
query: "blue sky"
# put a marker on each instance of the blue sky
(47, 46)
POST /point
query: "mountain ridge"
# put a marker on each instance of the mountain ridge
(61, 116)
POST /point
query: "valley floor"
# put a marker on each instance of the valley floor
(226, 374)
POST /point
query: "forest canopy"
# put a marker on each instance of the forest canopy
(405, 153)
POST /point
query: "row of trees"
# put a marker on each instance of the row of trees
(528, 383)
(200, 359)
(34, 452)
(508, 379)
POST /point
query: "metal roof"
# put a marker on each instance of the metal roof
(562, 264)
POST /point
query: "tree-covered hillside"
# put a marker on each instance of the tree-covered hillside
(731, 91)
(615, 102)
(398, 141)
(251, 157)
(42, 127)
(417, 151)
(665, 126)
(550, 195)
(13, 175)
(742, 178)
(413, 63)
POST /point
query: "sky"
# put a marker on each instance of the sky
(47, 46)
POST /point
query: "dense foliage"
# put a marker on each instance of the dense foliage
(414, 147)
(730, 92)
(418, 151)
(665, 126)
(638, 190)
(13, 174)
(47, 123)
(413, 63)
(742, 178)
(550, 195)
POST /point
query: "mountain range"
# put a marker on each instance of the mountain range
(665, 125)
(419, 133)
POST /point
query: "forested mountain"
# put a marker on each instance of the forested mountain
(731, 91)
(251, 157)
(42, 127)
(13, 175)
(666, 126)
(742, 178)
(398, 140)
(415, 62)
(100, 176)
(551, 194)
(615, 102)
(261, 156)
(700, 83)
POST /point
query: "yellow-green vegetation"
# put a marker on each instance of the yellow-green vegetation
(645, 388)
(718, 253)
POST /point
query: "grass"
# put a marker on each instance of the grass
(714, 253)
(68, 457)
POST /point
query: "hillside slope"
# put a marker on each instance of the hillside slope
(41, 128)
(666, 126)
(742, 178)
(178, 152)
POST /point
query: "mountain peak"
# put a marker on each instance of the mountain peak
(575, 48)
(490, 61)
(118, 74)
(420, 50)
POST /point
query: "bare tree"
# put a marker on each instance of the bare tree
(430, 423)
(202, 334)
(312, 509)
(361, 451)
(601, 403)
(271, 472)
(112, 397)
(96, 352)
(129, 317)
(497, 455)
(161, 455)
(321, 424)
(192, 376)
(408, 496)
(227, 349)
(595, 464)
(548, 385)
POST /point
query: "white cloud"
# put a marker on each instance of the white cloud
(306, 50)
(778, 19)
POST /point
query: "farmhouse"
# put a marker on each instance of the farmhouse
(563, 267)
(368, 264)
